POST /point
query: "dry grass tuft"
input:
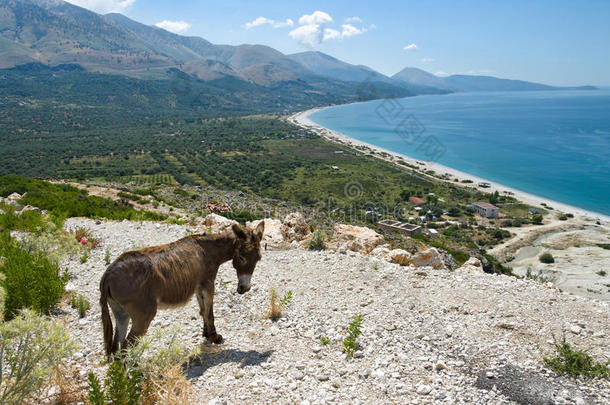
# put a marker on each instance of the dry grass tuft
(171, 387)
(65, 387)
(275, 307)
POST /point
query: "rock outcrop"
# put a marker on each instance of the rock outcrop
(294, 228)
(356, 238)
(471, 265)
(216, 223)
(399, 256)
(428, 258)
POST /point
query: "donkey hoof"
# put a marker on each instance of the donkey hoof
(216, 339)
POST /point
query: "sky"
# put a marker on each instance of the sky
(553, 42)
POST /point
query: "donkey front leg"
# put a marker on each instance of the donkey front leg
(205, 298)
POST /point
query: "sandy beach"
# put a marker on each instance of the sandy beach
(581, 266)
(302, 119)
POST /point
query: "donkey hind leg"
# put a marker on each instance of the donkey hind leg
(205, 298)
(121, 318)
(140, 321)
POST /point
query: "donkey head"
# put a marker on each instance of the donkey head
(247, 254)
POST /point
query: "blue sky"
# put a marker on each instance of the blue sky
(553, 42)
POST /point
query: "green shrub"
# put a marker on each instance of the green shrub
(181, 192)
(286, 299)
(537, 219)
(324, 341)
(84, 257)
(31, 280)
(142, 378)
(575, 362)
(64, 200)
(81, 303)
(121, 387)
(546, 258)
(26, 221)
(317, 241)
(32, 347)
(350, 343)
(241, 216)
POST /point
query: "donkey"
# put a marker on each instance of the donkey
(139, 283)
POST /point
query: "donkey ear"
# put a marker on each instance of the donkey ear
(238, 231)
(260, 230)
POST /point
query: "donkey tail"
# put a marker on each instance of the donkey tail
(106, 320)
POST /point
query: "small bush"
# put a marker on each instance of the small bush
(286, 299)
(575, 362)
(147, 380)
(537, 219)
(317, 241)
(324, 341)
(26, 221)
(546, 258)
(350, 343)
(107, 256)
(84, 235)
(122, 387)
(602, 273)
(84, 257)
(275, 307)
(81, 303)
(31, 281)
(241, 216)
(31, 349)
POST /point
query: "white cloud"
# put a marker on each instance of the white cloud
(317, 17)
(330, 33)
(353, 19)
(313, 29)
(411, 47)
(309, 35)
(427, 60)
(264, 21)
(104, 6)
(349, 31)
(177, 27)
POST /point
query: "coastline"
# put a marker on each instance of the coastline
(302, 119)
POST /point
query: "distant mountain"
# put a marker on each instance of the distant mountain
(490, 83)
(420, 77)
(326, 65)
(54, 32)
(417, 76)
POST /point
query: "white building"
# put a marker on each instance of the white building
(486, 210)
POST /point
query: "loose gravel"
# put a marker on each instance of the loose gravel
(428, 336)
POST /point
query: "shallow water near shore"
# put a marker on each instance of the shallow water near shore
(555, 144)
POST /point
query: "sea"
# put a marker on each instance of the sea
(553, 144)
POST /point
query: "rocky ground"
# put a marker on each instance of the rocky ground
(428, 336)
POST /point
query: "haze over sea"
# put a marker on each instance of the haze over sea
(554, 144)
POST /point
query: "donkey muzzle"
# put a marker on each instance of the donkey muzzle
(243, 285)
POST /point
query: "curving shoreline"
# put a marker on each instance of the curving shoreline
(302, 119)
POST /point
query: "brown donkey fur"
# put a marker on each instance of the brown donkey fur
(138, 283)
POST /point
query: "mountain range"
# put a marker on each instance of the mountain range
(54, 32)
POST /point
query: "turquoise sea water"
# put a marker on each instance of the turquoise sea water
(554, 144)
